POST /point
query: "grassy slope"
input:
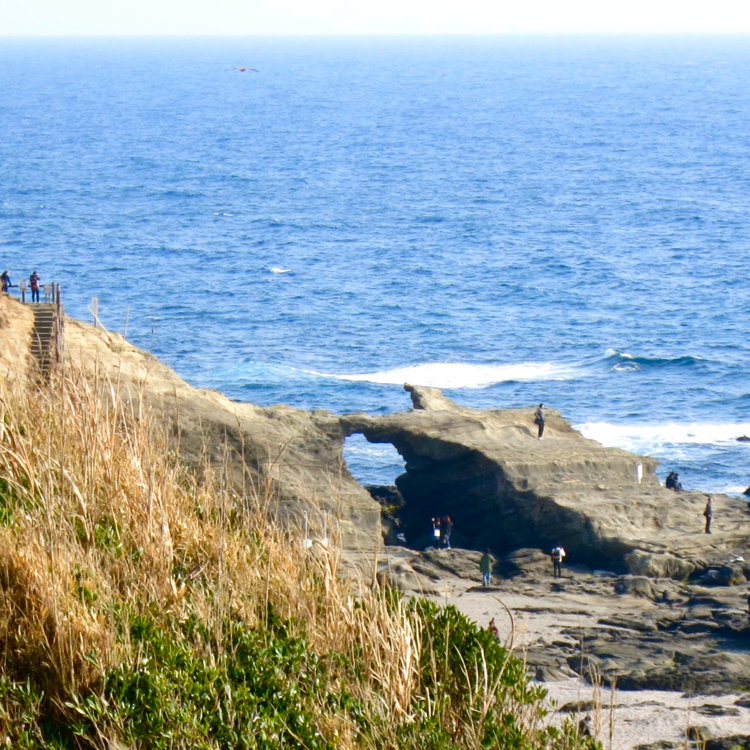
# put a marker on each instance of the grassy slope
(140, 607)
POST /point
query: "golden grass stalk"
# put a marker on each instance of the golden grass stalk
(99, 516)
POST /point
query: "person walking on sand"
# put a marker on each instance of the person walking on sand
(708, 512)
(485, 566)
(34, 284)
(557, 555)
(539, 420)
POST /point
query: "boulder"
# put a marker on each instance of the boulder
(635, 586)
(641, 563)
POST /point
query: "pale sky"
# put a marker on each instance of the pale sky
(190, 17)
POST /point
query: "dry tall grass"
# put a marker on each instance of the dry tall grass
(99, 514)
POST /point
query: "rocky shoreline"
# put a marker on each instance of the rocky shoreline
(660, 655)
(647, 600)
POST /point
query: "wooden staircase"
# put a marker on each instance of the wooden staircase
(46, 338)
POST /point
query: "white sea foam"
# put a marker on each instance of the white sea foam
(279, 269)
(450, 375)
(654, 436)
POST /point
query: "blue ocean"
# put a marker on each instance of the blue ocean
(315, 221)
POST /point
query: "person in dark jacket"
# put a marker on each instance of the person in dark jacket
(34, 284)
(446, 527)
(708, 512)
(673, 482)
(539, 420)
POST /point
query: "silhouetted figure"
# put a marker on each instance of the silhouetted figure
(436, 531)
(539, 420)
(557, 555)
(673, 482)
(446, 527)
(708, 512)
(5, 281)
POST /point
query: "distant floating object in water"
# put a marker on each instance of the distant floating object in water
(743, 439)
(244, 69)
(279, 269)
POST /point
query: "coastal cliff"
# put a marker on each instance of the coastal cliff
(105, 524)
(504, 488)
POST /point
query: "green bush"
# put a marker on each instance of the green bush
(253, 689)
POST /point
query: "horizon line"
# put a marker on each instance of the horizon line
(376, 35)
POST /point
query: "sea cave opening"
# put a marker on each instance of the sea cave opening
(376, 466)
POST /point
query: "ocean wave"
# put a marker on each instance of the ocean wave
(637, 437)
(455, 375)
(625, 362)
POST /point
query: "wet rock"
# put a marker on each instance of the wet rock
(578, 707)
(732, 574)
(711, 709)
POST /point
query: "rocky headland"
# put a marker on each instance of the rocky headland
(647, 600)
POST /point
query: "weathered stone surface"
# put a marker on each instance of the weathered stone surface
(642, 563)
(291, 457)
(506, 490)
(634, 631)
(734, 742)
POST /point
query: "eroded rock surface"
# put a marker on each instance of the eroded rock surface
(291, 456)
(505, 489)
(634, 631)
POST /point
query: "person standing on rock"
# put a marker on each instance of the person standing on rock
(485, 566)
(539, 420)
(446, 527)
(558, 555)
(708, 512)
(436, 531)
(5, 281)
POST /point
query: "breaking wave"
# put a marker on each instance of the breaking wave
(455, 375)
(637, 437)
